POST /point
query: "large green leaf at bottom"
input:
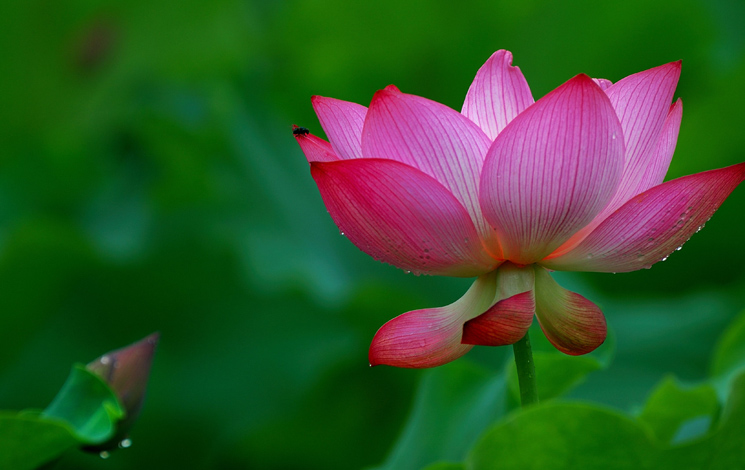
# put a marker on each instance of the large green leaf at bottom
(577, 436)
(564, 436)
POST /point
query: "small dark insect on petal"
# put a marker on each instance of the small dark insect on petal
(296, 130)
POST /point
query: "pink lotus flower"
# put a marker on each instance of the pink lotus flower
(507, 190)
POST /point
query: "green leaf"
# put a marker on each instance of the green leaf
(455, 403)
(729, 355)
(671, 406)
(564, 436)
(556, 373)
(728, 441)
(721, 449)
(27, 440)
(87, 406)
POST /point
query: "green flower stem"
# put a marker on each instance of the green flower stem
(525, 371)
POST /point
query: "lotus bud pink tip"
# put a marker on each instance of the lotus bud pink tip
(127, 371)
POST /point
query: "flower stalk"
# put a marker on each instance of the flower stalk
(525, 371)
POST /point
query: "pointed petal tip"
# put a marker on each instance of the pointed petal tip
(582, 78)
(390, 90)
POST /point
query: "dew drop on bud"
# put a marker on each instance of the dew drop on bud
(125, 443)
(104, 454)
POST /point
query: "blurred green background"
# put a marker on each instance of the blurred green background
(149, 181)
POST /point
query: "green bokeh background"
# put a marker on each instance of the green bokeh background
(149, 181)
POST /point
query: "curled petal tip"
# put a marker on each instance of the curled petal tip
(504, 323)
(573, 324)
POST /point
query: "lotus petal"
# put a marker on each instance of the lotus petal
(498, 94)
(433, 138)
(399, 215)
(552, 169)
(653, 224)
(432, 336)
(573, 324)
(342, 121)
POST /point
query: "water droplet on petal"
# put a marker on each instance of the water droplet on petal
(104, 454)
(105, 360)
(125, 443)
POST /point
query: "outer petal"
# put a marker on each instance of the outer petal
(552, 169)
(498, 94)
(508, 320)
(342, 121)
(315, 148)
(399, 215)
(573, 324)
(431, 337)
(433, 138)
(653, 224)
(657, 165)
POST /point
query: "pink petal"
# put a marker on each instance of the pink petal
(552, 169)
(573, 324)
(653, 224)
(433, 138)
(603, 83)
(315, 148)
(656, 164)
(663, 151)
(642, 102)
(498, 94)
(431, 337)
(504, 323)
(342, 121)
(399, 215)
